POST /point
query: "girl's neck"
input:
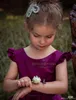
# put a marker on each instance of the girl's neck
(37, 51)
(37, 54)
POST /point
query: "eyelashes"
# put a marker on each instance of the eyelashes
(40, 36)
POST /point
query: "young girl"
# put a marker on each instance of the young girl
(39, 60)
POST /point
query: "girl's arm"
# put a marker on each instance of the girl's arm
(10, 82)
(59, 86)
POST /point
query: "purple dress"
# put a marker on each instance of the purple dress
(44, 68)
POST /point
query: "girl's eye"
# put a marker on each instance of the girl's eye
(49, 36)
(36, 35)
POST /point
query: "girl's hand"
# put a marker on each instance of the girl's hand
(25, 81)
(21, 93)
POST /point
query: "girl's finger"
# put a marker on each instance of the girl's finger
(19, 83)
(23, 93)
(16, 95)
(30, 83)
(27, 84)
(22, 82)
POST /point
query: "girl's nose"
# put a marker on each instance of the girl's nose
(42, 41)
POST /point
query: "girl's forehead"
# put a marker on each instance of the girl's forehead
(44, 29)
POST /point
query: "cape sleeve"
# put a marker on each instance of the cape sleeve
(65, 55)
(11, 52)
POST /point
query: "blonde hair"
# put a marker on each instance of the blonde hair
(50, 13)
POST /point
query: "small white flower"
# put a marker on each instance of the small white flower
(36, 79)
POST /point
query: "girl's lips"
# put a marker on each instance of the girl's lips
(41, 46)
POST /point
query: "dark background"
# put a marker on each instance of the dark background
(19, 6)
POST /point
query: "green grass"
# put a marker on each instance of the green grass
(12, 34)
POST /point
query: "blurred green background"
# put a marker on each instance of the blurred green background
(13, 34)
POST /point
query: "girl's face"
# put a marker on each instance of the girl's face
(42, 36)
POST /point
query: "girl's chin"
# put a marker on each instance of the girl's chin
(40, 48)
